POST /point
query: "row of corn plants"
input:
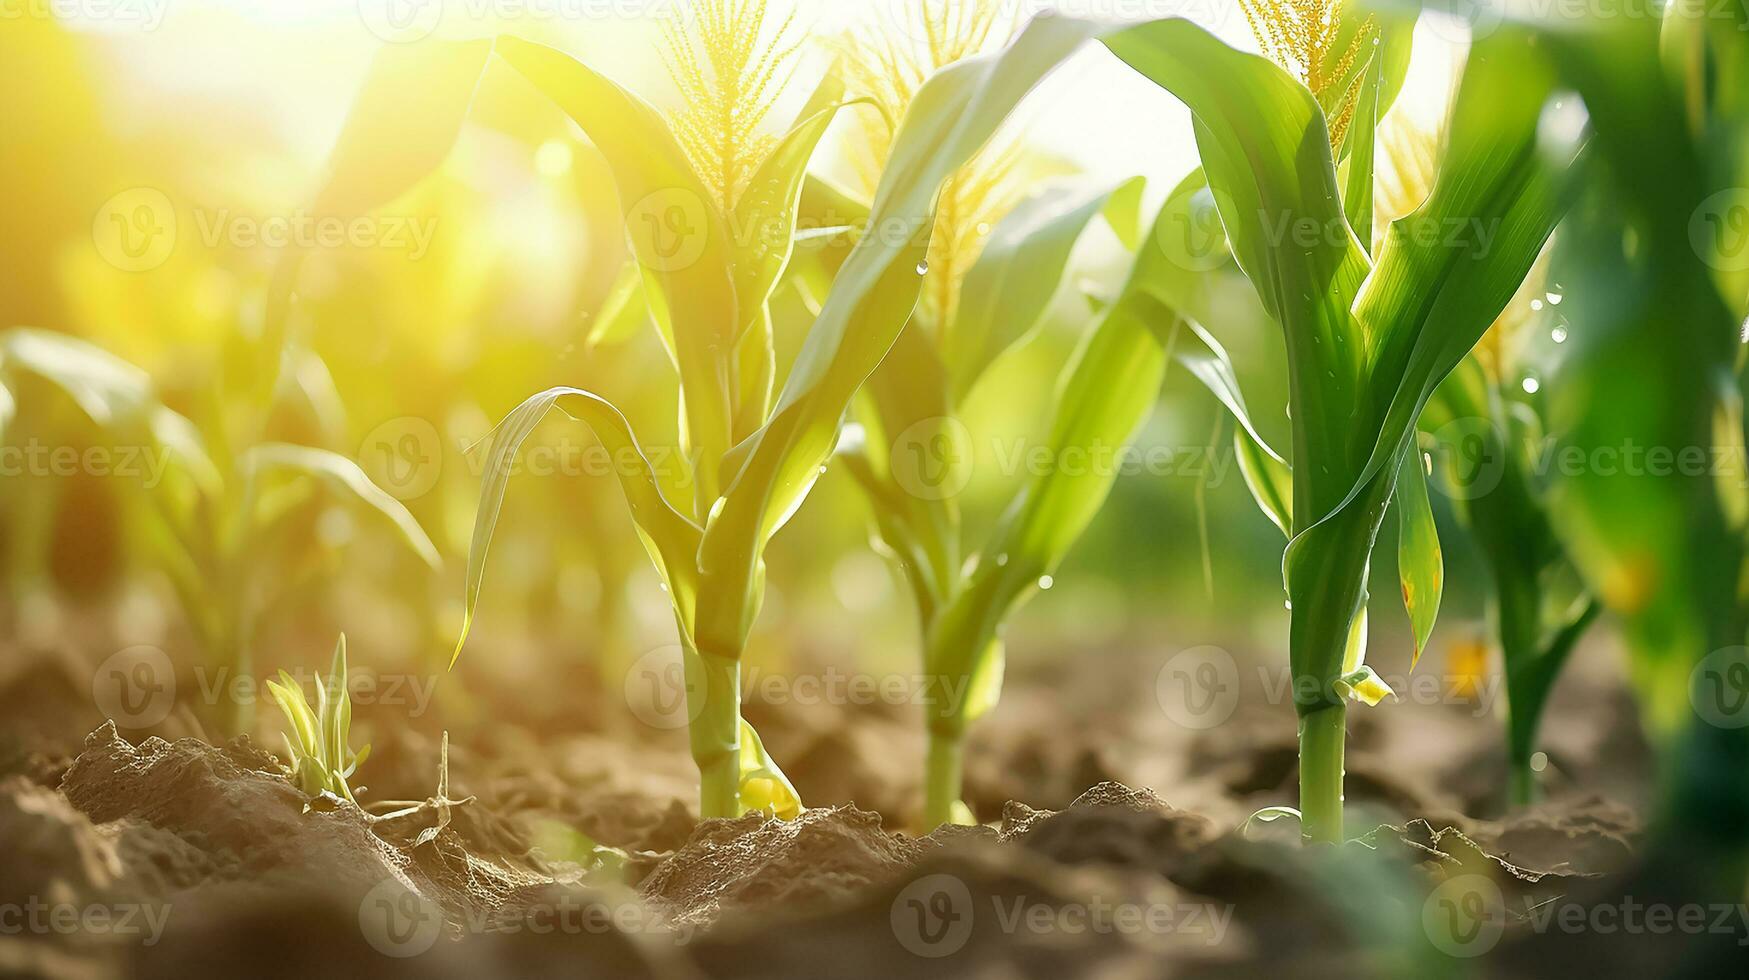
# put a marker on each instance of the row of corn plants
(1374, 318)
(1397, 332)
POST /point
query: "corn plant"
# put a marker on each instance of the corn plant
(1372, 326)
(992, 267)
(213, 514)
(757, 455)
(1490, 436)
(1656, 362)
(319, 744)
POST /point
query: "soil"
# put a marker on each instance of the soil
(578, 853)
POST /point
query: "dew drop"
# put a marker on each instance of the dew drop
(1536, 304)
(1001, 559)
(1555, 299)
(1531, 386)
(1558, 335)
(923, 268)
(1045, 581)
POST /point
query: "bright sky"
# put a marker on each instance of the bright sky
(296, 62)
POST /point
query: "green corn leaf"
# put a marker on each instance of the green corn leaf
(114, 394)
(1267, 475)
(1265, 151)
(1264, 147)
(1364, 685)
(623, 313)
(764, 221)
(952, 117)
(1357, 193)
(1009, 288)
(342, 474)
(106, 388)
(409, 111)
(1420, 565)
(290, 697)
(668, 535)
(677, 232)
(340, 697)
(763, 784)
(1105, 394)
(410, 108)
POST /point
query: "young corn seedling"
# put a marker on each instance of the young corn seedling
(992, 268)
(319, 743)
(707, 285)
(1371, 326)
(1490, 436)
(221, 501)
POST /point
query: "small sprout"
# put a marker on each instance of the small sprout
(322, 761)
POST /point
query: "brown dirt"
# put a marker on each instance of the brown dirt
(256, 878)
